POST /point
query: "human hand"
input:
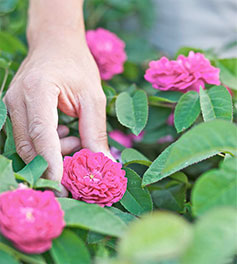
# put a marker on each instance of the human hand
(58, 72)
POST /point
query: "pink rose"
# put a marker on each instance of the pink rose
(108, 51)
(94, 178)
(30, 219)
(184, 74)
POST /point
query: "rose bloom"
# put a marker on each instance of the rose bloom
(184, 74)
(30, 219)
(108, 52)
(94, 178)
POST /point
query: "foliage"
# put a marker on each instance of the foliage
(180, 203)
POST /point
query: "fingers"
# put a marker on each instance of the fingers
(69, 145)
(63, 131)
(42, 129)
(92, 123)
(24, 146)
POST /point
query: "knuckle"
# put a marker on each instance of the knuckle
(101, 137)
(25, 149)
(36, 129)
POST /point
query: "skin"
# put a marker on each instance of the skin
(58, 72)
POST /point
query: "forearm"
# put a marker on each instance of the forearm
(50, 19)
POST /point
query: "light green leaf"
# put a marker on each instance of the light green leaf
(201, 142)
(125, 217)
(185, 51)
(11, 44)
(228, 73)
(159, 236)
(3, 114)
(48, 184)
(208, 112)
(92, 217)
(7, 179)
(186, 111)
(130, 156)
(69, 249)
(217, 187)
(3, 63)
(32, 171)
(6, 246)
(214, 238)
(132, 112)
(136, 200)
(7, 258)
(216, 103)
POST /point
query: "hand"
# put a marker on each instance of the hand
(58, 72)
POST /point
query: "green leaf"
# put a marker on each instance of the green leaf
(11, 44)
(215, 188)
(132, 112)
(48, 184)
(69, 249)
(136, 200)
(159, 236)
(7, 259)
(7, 179)
(92, 217)
(3, 63)
(214, 238)
(167, 96)
(130, 156)
(201, 142)
(6, 246)
(7, 6)
(216, 103)
(9, 147)
(185, 51)
(186, 111)
(3, 114)
(32, 171)
(125, 217)
(228, 73)
(173, 195)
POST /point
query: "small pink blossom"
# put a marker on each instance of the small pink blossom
(94, 178)
(30, 219)
(170, 120)
(183, 74)
(121, 138)
(108, 51)
(165, 139)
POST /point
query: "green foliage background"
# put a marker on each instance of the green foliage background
(180, 205)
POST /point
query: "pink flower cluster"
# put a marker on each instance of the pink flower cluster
(108, 52)
(94, 178)
(30, 219)
(183, 74)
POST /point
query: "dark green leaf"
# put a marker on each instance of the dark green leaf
(32, 171)
(69, 249)
(7, 6)
(216, 187)
(186, 111)
(201, 142)
(168, 97)
(136, 200)
(7, 259)
(9, 147)
(132, 112)
(92, 217)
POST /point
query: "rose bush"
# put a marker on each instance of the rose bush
(171, 198)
